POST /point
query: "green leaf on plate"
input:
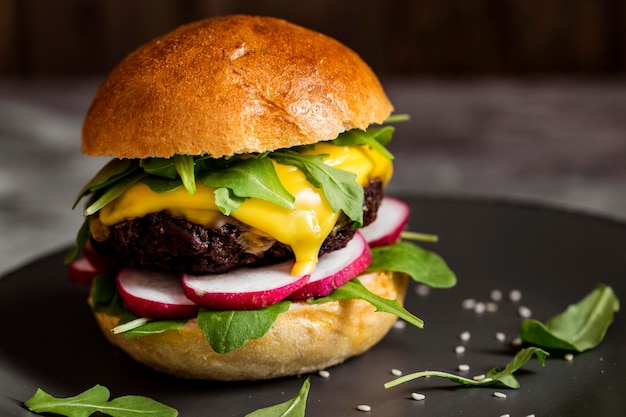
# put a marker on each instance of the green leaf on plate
(96, 399)
(580, 327)
(495, 375)
(294, 407)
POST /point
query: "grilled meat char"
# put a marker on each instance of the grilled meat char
(164, 241)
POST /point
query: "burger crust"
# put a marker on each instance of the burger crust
(230, 85)
(306, 338)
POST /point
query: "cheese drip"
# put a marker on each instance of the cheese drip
(303, 229)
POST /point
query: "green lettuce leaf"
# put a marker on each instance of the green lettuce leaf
(340, 187)
(495, 375)
(376, 138)
(294, 407)
(422, 265)
(252, 177)
(96, 399)
(580, 327)
(229, 330)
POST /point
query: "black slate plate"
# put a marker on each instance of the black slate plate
(555, 257)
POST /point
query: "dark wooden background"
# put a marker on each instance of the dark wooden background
(397, 37)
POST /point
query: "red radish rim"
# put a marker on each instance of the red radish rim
(154, 294)
(391, 219)
(244, 288)
(336, 268)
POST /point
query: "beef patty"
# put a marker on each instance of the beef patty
(163, 241)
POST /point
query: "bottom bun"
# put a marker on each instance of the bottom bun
(306, 338)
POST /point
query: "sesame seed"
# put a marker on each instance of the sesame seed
(530, 415)
(500, 337)
(468, 304)
(422, 290)
(459, 349)
(465, 336)
(505, 415)
(399, 324)
(417, 396)
(515, 295)
(479, 377)
(323, 373)
(516, 342)
(396, 372)
(480, 307)
(569, 357)
(463, 367)
(524, 312)
(363, 407)
(491, 307)
(496, 295)
(499, 394)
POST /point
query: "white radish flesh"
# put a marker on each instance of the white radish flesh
(154, 294)
(243, 288)
(335, 269)
(81, 270)
(391, 219)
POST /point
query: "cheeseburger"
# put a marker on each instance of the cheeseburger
(224, 237)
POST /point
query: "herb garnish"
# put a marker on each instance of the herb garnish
(580, 327)
(295, 407)
(96, 399)
(495, 375)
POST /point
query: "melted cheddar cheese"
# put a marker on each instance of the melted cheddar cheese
(303, 229)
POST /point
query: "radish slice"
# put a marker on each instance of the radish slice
(336, 268)
(81, 270)
(154, 294)
(244, 288)
(392, 216)
(103, 263)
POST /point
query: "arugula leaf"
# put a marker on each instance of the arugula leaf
(339, 186)
(376, 138)
(295, 407)
(104, 296)
(504, 376)
(97, 399)
(355, 289)
(113, 171)
(252, 177)
(580, 327)
(226, 201)
(160, 167)
(422, 265)
(229, 330)
(146, 327)
(185, 167)
(162, 185)
(113, 192)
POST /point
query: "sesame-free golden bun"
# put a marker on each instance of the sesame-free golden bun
(231, 85)
(306, 338)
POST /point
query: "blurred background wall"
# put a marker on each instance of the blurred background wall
(397, 37)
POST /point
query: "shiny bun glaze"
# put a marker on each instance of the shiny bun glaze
(231, 85)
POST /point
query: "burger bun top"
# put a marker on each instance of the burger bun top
(231, 85)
